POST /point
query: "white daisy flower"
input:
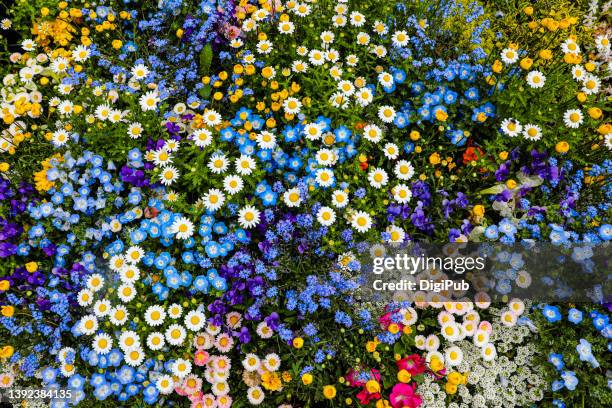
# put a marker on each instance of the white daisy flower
(324, 177)
(195, 320)
(175, 311)
(95, 282)
(213, 200)
(155, 341)
(591, 84)
(299, 66)
(432, 342)
(511, 127)
(292, 105)
(602, 42)
(233, 184)
(450, 331)
(536, 79)
(272, 362)
(251, 362)
(129, 339)
(85, 297)
(573, 118)
(202, 137)
(508, 318)
(396, 234)
(532, 132)
(149, 101)
(372, 133)
(364, 96)
(212, 118)
(340, 199)
(155, 315)
(102, 343)
(139, 71)
(249, 216)
(481, 338)
(378, 177)
(102, 308)
(453, 356)
(182, 227)
(134, 130)
(60, 138)
(402, 193)
(165, 384)
(126, 292)
(134, 356)
(264, 47)
(352, 60)
(118, 315)
(134, 254)
(400, 38)
(218, 163)
(386, 114)
(361, 221)
(391, 151)
(380, 27)
(509, 56)
(363, 38)
(175, 334)
(357, 19)
(578, 72)
(161, 157)
(168, 175)
(316, 57)
(266, 140)
(569, 46)
(403, 170)
(286, 27)
(326, 216)
(292, 197)
(489, 352)
(88, 324)
(339, 20)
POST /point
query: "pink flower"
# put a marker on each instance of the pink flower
(403, 396)
(413, 363)
(200, 357)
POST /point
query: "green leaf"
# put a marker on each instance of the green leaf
(205, 59)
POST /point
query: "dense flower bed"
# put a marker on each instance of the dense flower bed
(187, 187)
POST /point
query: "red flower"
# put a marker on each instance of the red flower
(365, 397)
(403, 396)
(413, 363)
(471, 154)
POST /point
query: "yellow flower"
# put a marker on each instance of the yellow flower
(450, 388)
(526, 63)
(271, 381)
(441, 115)
(307, 379)
(6, 351)
(7, 311)
(393, 328)
(404, 376)
(31, 267)
(329, 391)
(528, 10)
(497, 66)
(371, 346)
(503, 155)
(372, 386)
(455, 378)
(595, 113)
(511, 184)
(436, 364)
(298, 342)
(562, 147)
(117, 44)
(434, 158)
(581, 96)
(4, 166)
(479, 210)
(605, 129)
(545, 54)
(4, 284)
